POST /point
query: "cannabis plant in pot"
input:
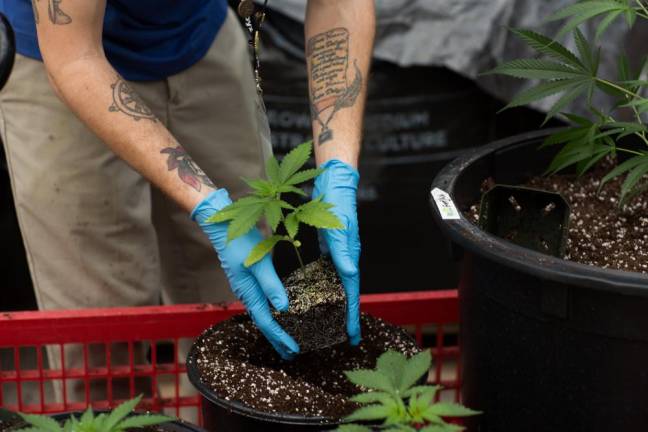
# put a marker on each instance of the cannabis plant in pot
(542, 336)
(119, 419)
(395, 400)
(574, 76)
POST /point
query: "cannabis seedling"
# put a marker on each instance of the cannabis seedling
(574, 76)
(393, 397)
(266, 201)
(116, 421)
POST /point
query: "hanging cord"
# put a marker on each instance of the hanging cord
(254, 17)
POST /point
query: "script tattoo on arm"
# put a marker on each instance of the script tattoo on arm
(188, 171)
(56, 14)
(330, 90)
(127, 101)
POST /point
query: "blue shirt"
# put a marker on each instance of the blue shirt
(143, 39)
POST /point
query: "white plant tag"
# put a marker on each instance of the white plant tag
(445, 205)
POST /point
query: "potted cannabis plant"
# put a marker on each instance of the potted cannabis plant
(121, 419)
(560, 343)
(244, 383)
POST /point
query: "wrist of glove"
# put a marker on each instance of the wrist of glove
(255, 285)
(338, 185)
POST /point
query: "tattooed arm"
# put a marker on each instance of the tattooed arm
(339, 43)
(69, 35)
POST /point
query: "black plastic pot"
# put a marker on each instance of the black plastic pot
(547, 344)
(232, 416)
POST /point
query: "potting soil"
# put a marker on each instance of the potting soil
(601, 233)
(316, 317)
(238, 364)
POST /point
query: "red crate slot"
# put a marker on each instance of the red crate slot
(27, 386)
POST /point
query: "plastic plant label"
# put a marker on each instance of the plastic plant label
(445, 205)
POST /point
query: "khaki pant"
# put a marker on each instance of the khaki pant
(97, 234)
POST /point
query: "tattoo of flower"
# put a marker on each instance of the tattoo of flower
(188, 171)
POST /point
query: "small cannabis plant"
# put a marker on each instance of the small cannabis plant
(266, 201)
(393, 397)
(574, 76)
(116, 421)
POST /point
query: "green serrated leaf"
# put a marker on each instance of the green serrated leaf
(417, 366)
(584, 50)
(565, 100)
(291, 188)
(87, 416)
(548, 46)
(261, 249)
(605, 23)
(391, 364)
(140, 421)
(120, 412)
(303, 176)
(292, 225)
(371, 397)
(418, 390)
(262, 188)
(633, 178)
(233, 210)
(371, 379)
(368, 413)
(564, 136)
(273, 214)
(42, 422)
(583, 11)
(272, 170)
(542, 91)
(294, 160)
(536, 69)
(244, 221)
(448, 409)
(318, 215)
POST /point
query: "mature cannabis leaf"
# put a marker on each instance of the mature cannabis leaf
(392, 398)
(116, 421)
(265, 202)
(569, 76)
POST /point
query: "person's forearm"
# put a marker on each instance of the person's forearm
(117, 115)
(339, 43)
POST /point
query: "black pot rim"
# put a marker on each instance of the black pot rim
(240, 408)
(473, 239)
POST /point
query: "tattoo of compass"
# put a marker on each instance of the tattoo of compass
(126, 100)
(188, 171)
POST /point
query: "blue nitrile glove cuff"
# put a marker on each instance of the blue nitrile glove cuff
(345, 175)
(215, 201)
(338, 185)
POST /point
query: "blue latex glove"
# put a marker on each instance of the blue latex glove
(255, 285)
(339, 184)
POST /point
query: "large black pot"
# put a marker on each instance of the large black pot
(220, 414)
(232, 416)
(547, 344)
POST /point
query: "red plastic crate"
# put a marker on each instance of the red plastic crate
(431, 316)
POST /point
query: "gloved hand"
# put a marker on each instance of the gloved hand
(339, 184)
(255, 285)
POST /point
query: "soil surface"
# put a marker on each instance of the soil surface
(316, 317)
(600, 232)
(238, 364)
